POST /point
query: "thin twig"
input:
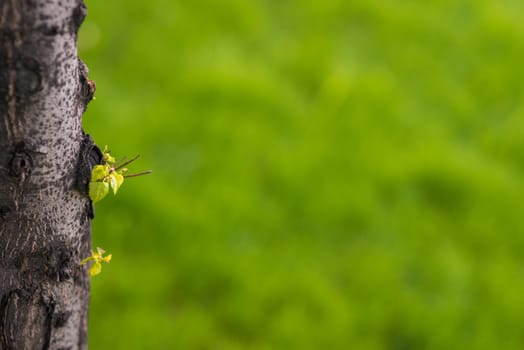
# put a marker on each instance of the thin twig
(129, 161)
(147, 172)
(117, 163)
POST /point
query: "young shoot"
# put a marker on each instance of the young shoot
(110, 174)
(96, 258)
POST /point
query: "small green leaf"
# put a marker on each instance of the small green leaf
(95, 268)
(98, 190)
(116, 181)
(112, 182)
(99, 172)
(107, 156)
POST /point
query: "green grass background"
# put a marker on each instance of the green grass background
(335, 174)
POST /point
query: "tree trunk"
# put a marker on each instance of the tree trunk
(45, 166)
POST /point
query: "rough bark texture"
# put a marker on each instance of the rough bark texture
(45, 164)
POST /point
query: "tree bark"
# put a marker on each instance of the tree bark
(45, 165)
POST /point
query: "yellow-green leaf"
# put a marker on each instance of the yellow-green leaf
(98, 190)
(95, 268)
(116, 181)
(99, 172)
(109, 158)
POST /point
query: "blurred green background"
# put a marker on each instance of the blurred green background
(331, 174)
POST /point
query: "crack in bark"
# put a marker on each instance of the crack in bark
(90, 155)
(87, 86)
(21, 163)
(50, 305)
(3, 321)
(4, 211)
(79, 14)
(10, 100)
(11, 73)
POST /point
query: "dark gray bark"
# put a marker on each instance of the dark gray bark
(45, 162)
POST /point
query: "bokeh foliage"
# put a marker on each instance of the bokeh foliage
(335, 174)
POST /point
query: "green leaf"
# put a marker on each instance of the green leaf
(116, 180)
(95, 269)
(99, 252)
(98, 190)
(109, 158)
(99, 173)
